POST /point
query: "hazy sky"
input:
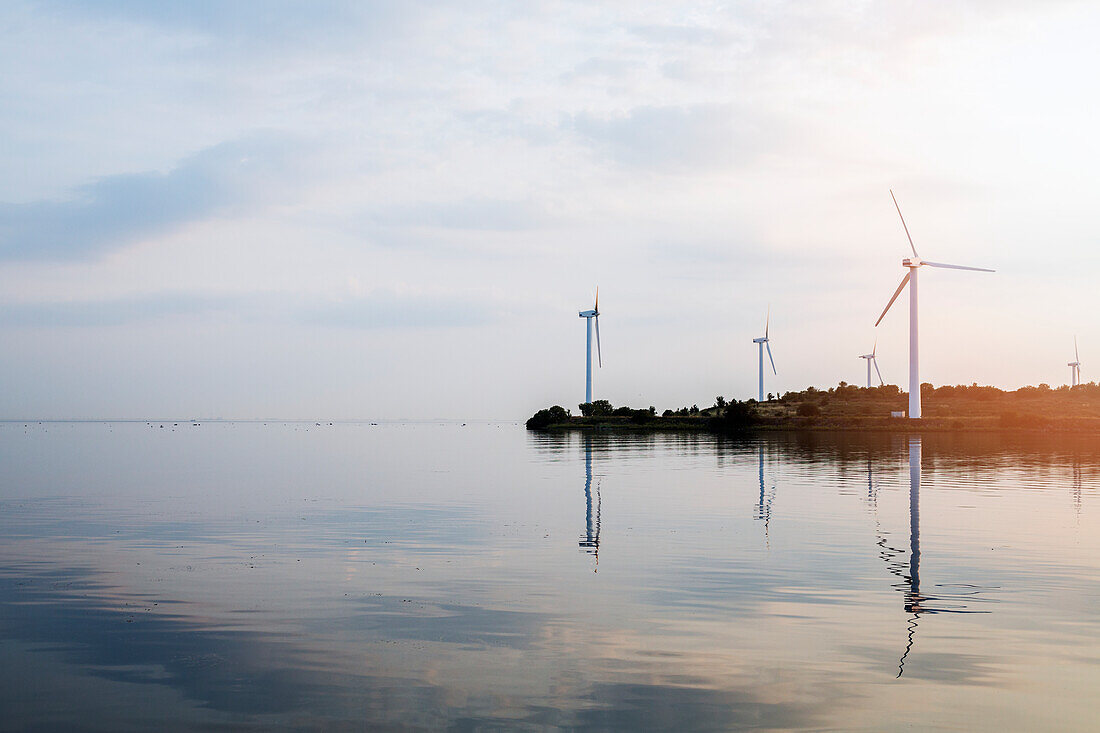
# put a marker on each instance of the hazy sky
(396, 209)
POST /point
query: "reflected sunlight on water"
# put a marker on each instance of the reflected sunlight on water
(437, 575)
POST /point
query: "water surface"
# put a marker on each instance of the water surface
(305, 576)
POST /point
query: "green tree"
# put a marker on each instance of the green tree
(735, 417)
(545, 418)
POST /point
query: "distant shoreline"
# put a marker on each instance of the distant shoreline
(892, 425)
(947, 409)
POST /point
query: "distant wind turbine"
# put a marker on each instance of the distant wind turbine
(762, 343)
(871, 358)
(1075, 366)
(910, 278)
(589, 316)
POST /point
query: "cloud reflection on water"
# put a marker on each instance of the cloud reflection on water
(467, 606)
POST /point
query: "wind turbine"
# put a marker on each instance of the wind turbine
(871, 358)
(762, 342)
(1075, 366)
(589, 316)
(914, 264)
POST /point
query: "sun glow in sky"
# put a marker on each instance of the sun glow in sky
(392, 209)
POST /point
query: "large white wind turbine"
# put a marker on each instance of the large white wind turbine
(1075, 366)
(762, 343)
(914, 264)
(871, 358)
(589, 316)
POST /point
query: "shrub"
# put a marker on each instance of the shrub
(735, 417)
(596, 408)
(808, 409)
(545, 418)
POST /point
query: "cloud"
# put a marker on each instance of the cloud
(601, 69)
(391, 310)
(685, 138)
(113, 211)
(276, 21)
(371, 311)
(482, 214)
(110, 312)
(682, 35)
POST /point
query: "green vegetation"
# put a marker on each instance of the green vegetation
(844, 407)
(732, 416)
(543, 419)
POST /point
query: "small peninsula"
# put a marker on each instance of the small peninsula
(848, 407)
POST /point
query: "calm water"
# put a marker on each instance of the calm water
(296, 576)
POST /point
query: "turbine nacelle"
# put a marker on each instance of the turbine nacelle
(588, 314)
(761, 340)
(912, 262)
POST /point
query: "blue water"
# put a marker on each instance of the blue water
(253, 576)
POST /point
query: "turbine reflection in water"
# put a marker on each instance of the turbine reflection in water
(764, 503)
(1077, 491)
(591, 541)
(915, 602)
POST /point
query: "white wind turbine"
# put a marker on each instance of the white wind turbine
(1075, 366)
(762, 343)
(589, 316)
(910, 278)
(871, 358)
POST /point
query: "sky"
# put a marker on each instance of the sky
(386, 210)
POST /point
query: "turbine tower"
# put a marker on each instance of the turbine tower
(914, 264)
(871, 358)
(589, 316)
(1075, 366)
(762, 343)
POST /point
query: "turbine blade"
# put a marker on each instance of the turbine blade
(769, 346)
(911, 245)
(1076, 356)
(767, 321)
(597, 308)
(875, 362)
(599, 353)
(956, 267)
(874, 348)
(904, 282)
